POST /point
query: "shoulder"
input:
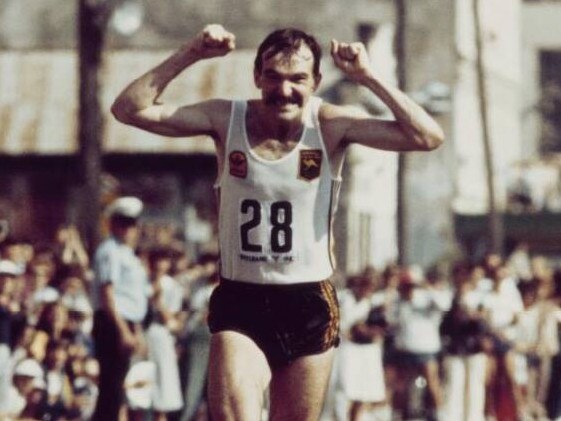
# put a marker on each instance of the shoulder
(110, 250)
(217, 109)
(106, 246)
(337, 121)
(222, 106)
(219, 113)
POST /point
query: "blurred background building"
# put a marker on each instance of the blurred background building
(445, 191)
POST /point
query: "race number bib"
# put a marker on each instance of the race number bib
(277, 218)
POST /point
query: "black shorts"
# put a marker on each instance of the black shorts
(285, 321)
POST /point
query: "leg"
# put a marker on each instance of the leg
(430, 371)
(298, 389)
(357, 408)
(517, 397)
(403, 375)
(160, 416)
(195, 367)
(455, 387)
(491, 369)
(544, 373)
(139, 415)
(476, 366)
(5, 378)
(113, 367)
(238, 376)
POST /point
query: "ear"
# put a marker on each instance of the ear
(317, 81)
(257, 79)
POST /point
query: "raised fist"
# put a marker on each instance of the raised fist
(213, 41)
(351, 58)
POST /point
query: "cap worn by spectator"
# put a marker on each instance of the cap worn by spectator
(139, 384)
(78, 305)
(29, 368)
(46, 296)
(127, 206)
(7, 267)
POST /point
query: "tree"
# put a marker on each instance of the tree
(93, 16)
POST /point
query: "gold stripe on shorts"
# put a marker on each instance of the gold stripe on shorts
(332, 332)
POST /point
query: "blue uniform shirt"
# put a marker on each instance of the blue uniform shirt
(116, 263)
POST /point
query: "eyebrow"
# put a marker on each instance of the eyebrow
(273, 72)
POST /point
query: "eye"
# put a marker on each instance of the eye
(300, 78)
(271, 76)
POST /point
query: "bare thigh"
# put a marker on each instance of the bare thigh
(238, 377)
(298, 389)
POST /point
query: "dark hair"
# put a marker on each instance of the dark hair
(528, 287)
(287, 41)
(159, 253)
(122, 221)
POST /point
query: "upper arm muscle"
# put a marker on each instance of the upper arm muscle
(348, 126)
(205, 118)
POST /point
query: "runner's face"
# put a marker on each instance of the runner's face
(287, 81)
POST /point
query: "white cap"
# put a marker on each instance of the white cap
(128, 206)
(140, 373)
(29, 368)
(79, 304)
(7, 267)
(39, 383)
(46, 295)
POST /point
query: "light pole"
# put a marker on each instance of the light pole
(495, 222)
(400, 54)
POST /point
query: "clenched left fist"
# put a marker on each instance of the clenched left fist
(352, 59)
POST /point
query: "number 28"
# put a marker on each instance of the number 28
(280, 220)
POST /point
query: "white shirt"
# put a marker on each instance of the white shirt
(116, 263)
(502, 307)
(418, 320)
(172, 294)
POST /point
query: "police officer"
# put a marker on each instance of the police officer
(121, 290)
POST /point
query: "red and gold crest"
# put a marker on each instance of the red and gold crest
(310, 164)
(238, 164)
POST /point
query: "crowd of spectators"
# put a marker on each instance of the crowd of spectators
(468, 342)
(477, 342)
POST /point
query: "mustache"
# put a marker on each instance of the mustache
(282, 100)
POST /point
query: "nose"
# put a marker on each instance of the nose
(285, 88)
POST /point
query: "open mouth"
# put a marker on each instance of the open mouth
(286, 105)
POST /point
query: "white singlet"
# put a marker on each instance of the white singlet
(275, 215)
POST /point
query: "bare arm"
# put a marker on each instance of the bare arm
(138, 104)
(413, 129)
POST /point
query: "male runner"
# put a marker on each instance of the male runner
(274, 316)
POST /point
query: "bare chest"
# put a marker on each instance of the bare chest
(273, 149)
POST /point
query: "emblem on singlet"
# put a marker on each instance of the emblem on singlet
(238, 164)
(310, 164)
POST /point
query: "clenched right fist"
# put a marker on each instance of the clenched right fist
(213, 41)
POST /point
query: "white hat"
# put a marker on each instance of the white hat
(39, 383)
(128, 206)
(29, 368)
(7, 267)
(139, 384)
(46, 295)
(79, 304)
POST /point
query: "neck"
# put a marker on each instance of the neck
(124, 239)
